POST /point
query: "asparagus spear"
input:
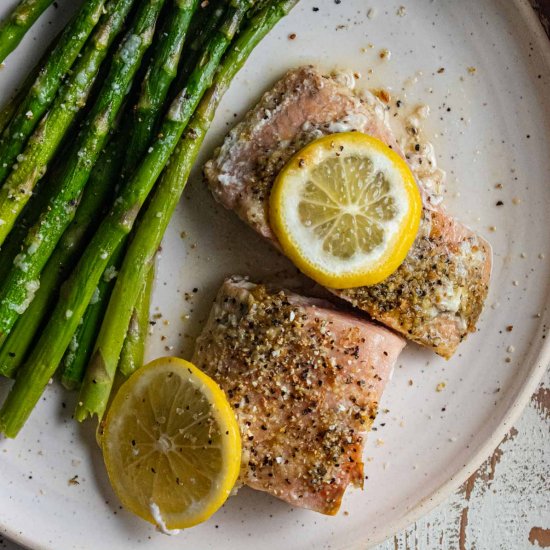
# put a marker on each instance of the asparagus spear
(32, 210)
(8, 110)
(48, 135)
(137, 135)
(98, 188)
(131, 357)
(80, 349)
(46, 186)
(20, 20)
(47, 83)
(97, 194)
(12, 104)
(96, 388)
(31, 213)
(157, 81)
(77, 292)
(203, 24)
(98, 191)
(14, 241)
(23, 279)
(206, 22)
(154, 91)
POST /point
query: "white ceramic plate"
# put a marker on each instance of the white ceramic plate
(489, 127)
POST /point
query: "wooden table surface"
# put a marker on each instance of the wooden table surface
(505, 505)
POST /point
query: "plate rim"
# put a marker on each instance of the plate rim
(532, 380)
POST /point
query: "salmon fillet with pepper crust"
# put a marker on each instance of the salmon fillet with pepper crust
(304, 380)
(436, 296)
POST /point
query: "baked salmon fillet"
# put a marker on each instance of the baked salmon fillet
(304, 380)
(436, 296)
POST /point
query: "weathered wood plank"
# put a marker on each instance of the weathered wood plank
(505, 505)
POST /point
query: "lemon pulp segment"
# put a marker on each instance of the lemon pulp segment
(346, 210)
(171, 444)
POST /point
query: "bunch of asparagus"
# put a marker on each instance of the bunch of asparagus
(107, 128)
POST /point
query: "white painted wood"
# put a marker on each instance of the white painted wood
(505, 505)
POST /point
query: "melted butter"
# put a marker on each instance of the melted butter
(406, 125)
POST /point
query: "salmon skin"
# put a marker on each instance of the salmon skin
(304, 380)
(437, 294)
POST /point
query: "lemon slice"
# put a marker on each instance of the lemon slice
(171, 444)
(346, 210)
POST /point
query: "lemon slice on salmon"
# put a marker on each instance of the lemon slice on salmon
(346, 210)
(171, 444)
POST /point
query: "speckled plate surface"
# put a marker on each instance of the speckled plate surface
(484, 69)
